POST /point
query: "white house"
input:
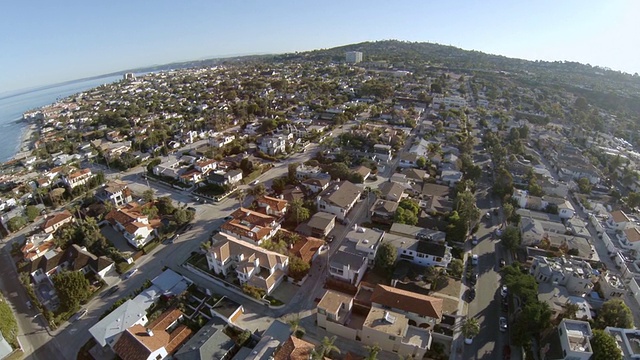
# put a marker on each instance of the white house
(348, 267)
(252, 264)
(420, 252)
(338, 199)
(133, 224)
(77, 178)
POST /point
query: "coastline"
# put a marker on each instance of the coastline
(25, 145)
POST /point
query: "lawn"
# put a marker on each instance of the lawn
(8, 324)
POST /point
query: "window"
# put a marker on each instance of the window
(438, 259)
(322, 311)
(420, 255)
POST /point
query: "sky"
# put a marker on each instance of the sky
(47, 42)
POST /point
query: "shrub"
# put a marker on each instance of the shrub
(253, 291)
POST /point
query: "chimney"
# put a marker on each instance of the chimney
(149, 332)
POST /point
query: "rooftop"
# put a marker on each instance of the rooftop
(332, 301)
(578, 334)
(387, 321)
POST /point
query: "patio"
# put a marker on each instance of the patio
(47, 295)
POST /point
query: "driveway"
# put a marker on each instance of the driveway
(117, 240)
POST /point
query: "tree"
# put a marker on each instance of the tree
(421, 162)
(148, 195)
(404, 216)
(181, 216)
(16, 223)
(257, 191)
(604, 346)
(292, 170)
(297, 212)
(511, 238)
(456, 266)
(633, 199)
(386, 258)
(298, 268)
(294, 323)
(584, 186)
(508, 211)
(614, 313)
(410, 205)
(465, 205)
(165, 205)
(373, 352)
(243, 337)
(72, 288)
(32, 212)
(240, 196)
(470, 328)
(326, 347)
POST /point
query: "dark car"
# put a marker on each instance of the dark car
(505, 305)
(473, 279)
(111, 291)
(471, 294)
(330, 238)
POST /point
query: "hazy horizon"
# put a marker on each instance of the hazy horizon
(78, 40)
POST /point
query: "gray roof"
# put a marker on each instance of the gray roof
(390, 188)
(208, 343)
(341, 194)
(320, 220)
(414, 231)
(120, 319)
(5, 348)
(421, 246)
(341, 258)
(170, 283)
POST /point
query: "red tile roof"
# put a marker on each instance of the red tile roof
(57, 218)
(407, 301)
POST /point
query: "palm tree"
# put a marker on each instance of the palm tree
(294, 323)
(257, 191)
(373, 352)
(470, 328)
(240, 196)
(325, 348)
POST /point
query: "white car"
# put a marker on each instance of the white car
(474, 259)
(468, 341)
(130, 273)
(255, 182)
(504, 291)
(81, 314)
(503, 323)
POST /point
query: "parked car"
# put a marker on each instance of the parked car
(130, 273)
(29, 304)
(503, 323)
(502, 262)
(227, 218)
(81, 314)
(504, 291)
(474, 240)
(111, 291)
(330, 238)
(474, 259)
(255, 182)
(488, 215)
(471, 295)
(473, 278)
(506, 352)
(505, 304)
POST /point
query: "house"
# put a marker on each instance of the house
(619, 221)
(391, 191)
(382, 151)
(417, 232)
(294, 349)
(363, 241)
(383, 211)
(393, 332)
(321, 224)
(570, 341)
(333, 308)
(628, 341)
(451, 177)
(363, 171)
(338, 199)
(136, 227)
(629, 239)
(307, 172)
(292, 193)
(108, 330)
(252, 264)
(307, 249)
(573, 274)
(423, 252)
(115, 192)
(408, 160)
(74, 258)
(317, 184)
(273, 145)
(37, 245)
(54, 222)
(415, 175)
(206, 165)
(429, 189)
(227, 309)
(348, 267)
(210, 342)
(611, 285)
(251, 226)
(422, 310)
(222, 177)
(77, 178)
(158, 340)
(272, 206)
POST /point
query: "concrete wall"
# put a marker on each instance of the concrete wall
(634, 289)
(341, 330)
(608, 242)
(596, 224)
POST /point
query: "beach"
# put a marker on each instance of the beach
(25, 146)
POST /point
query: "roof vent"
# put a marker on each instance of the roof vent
(149, 332)
(389, 318)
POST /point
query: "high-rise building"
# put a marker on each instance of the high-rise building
(353, 57)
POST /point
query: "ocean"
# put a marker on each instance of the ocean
(12, 107)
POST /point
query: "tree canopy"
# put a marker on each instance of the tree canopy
(604, 346)
(386, 258)
(614, 313)
(72, 288)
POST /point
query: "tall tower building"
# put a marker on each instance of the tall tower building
(353, 57)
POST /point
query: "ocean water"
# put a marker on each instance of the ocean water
(12, 107)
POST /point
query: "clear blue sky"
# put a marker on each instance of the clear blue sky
(45, 42)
